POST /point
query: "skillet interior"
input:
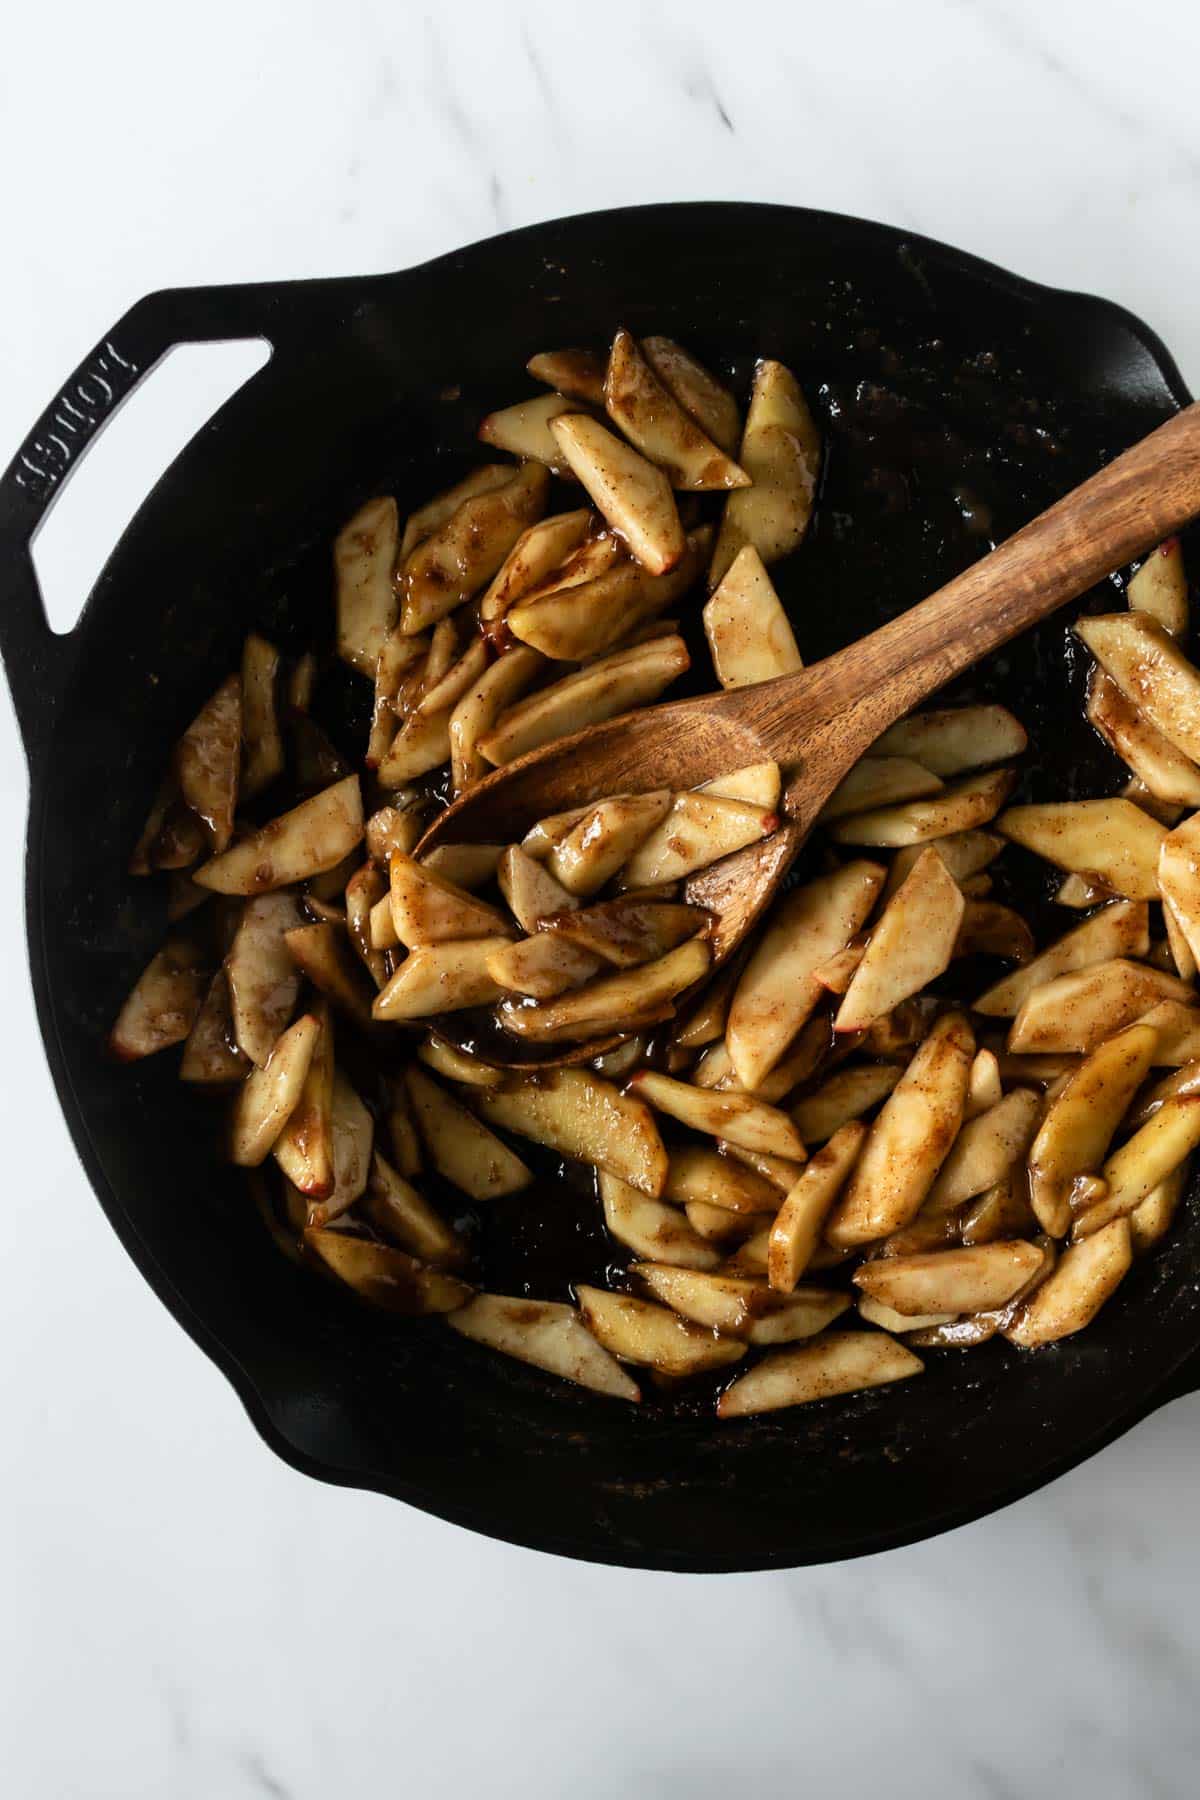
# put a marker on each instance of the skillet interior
(958, 401)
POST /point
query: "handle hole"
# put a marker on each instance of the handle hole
(145, 434)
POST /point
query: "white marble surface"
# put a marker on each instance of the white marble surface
(183, 1616)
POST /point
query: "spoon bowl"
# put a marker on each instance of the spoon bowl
(817, 723)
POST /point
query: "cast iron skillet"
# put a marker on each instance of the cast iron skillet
(958, 401)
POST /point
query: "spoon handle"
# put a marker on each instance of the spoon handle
(1140, 498)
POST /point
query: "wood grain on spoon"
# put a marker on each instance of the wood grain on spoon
(817, 723)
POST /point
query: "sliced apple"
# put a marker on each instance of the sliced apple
(951, 1281)
(429, 909)
(264, 982)
(396, 1209)
(698, 830)
(440, 978)
(758, 784)
(845, 1362)
(304, 1148)
(782, 1172)
(443, 695)
(400, 667)
(846, 1095)
(301, 681)
(604, 839)
(429, 518)
(705, 1023)
(384, 1276)
(165, 1002)
(268, 1096)
(634, 496)
(262, 744)
(1112, 841)
(1086, 1275)
(454, 562)
(393, 828)
(1077, 1011)
(741, 1307)
(699, 1176)
(530, 891)
(537, 554)
(1081, 1120)
(402, 1130)
(541, 838)
(616, 1063)
(614, 684)
(909, 1141)
(1151, 671)
(421, 745)
(367, 889)
(989, 928)
(323, 954)
(364, 560)
(719, 1225)
(577, 373)
(468, 866)
(1160, 587)
(614, 1002)
(951, 740)
(1182, 959)
(965, 853)
(875, 1312)
(984, 1150)
(629, 931)
(523, 430)
(444, 1059)
(497, 689)
(739, 1118)
(912, 944)
(1165, 772)
(778, 990)
(459, 1147)
(963, 806)
(781, 453)
(877, 781)
(571, 618)
(587, 1120)
(652, 1229)
(648, 414)
(314, 836)
(1143, 1161)
(796, 1230)
(1150, 1222)
(547, 1335)
(700, 394)
(1179, 878)
(1002, 1211)
(637, 1331)
(172, 837)
(352, 1135)
(210, 1055)
(208, 763)
(1117, 930)
(542, 966)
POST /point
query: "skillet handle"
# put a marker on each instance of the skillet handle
(35, 658)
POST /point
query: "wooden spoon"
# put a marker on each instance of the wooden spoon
(819, 722)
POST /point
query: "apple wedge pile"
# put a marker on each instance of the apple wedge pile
(839, 1150)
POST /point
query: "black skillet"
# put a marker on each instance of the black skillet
(958, 400)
